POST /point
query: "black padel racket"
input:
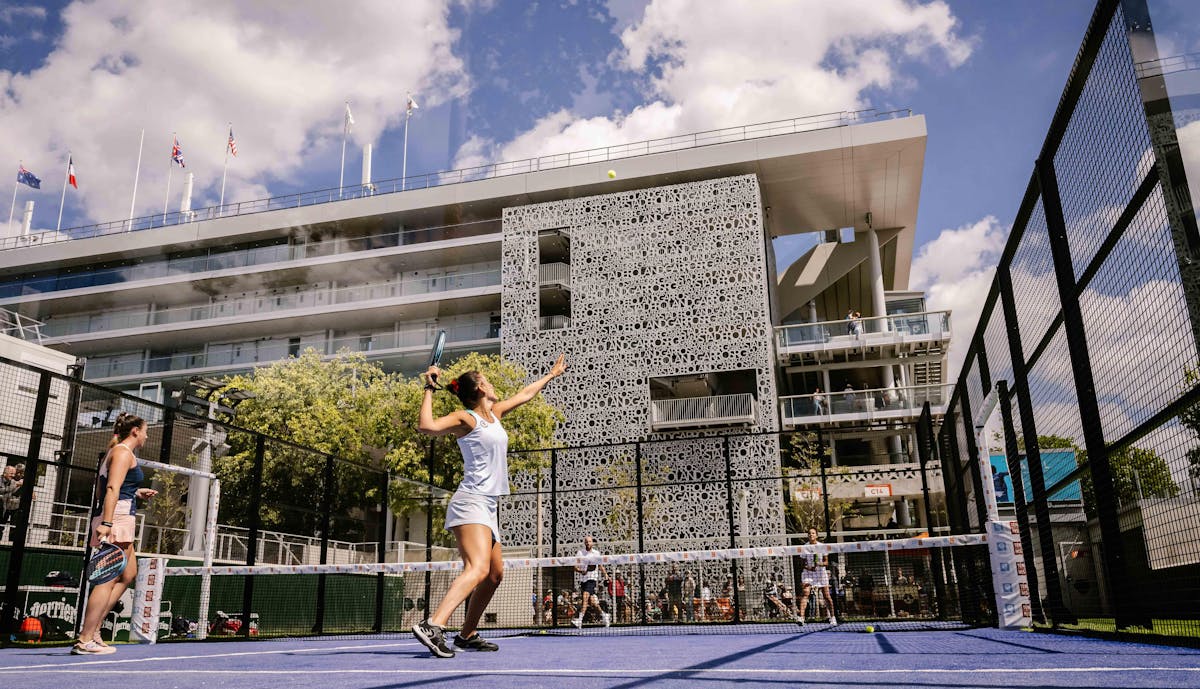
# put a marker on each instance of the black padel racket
(106, 564)
(435, 356)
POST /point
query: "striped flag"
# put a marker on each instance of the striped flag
(177, 153)
(232, 143)
(71, 172)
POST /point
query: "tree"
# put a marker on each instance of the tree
(803, 456)
(365, 417)
(1190, 419)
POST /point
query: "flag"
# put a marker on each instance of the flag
(232, 143)
(71, 172)
(28, 179)
(349, 117)
(177, 153)
(412, 105)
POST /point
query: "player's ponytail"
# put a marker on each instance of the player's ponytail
(466, 388)
(123, 426)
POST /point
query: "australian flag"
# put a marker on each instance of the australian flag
(28, 179)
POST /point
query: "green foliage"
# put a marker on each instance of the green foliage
(1190, 419)
(354, 410)
(802, 459)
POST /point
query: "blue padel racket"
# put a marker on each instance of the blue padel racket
(435, 357)
(106, 564)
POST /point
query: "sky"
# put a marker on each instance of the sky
(504, 80)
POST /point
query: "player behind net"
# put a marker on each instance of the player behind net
(472, 512)
(589, 575)
(815, 576)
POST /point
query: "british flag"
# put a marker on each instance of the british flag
(177, 153)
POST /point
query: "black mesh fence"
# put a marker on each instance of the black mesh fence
(1084, 366)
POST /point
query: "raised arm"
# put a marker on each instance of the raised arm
(455, 423)
(530, 391)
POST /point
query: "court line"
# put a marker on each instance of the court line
(151, 659)
(646, 671)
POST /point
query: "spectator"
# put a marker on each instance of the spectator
(866, 591)
(616, 589)
(674, 594)
(10, 494)
(689, 598)
(819, 401)
(706, 603)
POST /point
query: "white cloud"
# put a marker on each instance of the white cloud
(280, 74)
(9, 14)
(737, 63)
(956, 269)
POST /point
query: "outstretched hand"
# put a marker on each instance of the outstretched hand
(559, 367)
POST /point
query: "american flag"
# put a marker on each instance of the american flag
(232, 143)
(177, 153)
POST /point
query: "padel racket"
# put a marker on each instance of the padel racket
(435, 356)
(106, 564)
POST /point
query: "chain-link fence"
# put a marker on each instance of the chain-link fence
(1081, 381)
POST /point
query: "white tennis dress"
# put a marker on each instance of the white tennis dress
(818, 577)
(485, 476)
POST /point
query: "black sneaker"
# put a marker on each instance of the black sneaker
(475, 643)
(434, 639)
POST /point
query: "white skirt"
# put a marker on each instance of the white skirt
(818, 577)
(472, 508)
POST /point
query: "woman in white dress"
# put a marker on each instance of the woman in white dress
(472, 513)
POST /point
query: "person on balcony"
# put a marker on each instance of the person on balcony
(818, 399)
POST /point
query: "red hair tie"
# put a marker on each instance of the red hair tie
(453, 386)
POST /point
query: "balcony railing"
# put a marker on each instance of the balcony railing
(21, 327)
(554, 274)
(864, 405)
(269, 303)
(927, 324)
(269, 351)
(222, 258)
(553, 322)
(716, 410)
(472, 174)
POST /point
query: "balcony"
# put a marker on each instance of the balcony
(554, 322)
(927, 332)
(692, 412)
(863, 406)
(266, 304)
(554, 275)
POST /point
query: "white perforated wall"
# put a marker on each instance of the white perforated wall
(664, 281)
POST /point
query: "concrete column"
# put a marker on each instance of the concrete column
(879, 308)
(27, 219)
(812, 311)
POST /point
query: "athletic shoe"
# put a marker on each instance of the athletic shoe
(91, 648)
(800, 621)
(577, 621)
(832, 621)
(434, 638)
(607, 619)
(475, 643)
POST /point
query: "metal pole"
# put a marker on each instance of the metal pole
(170, 171)
(381, 553)
(1127, 612)
(924, 447)
(733, 568)
(326, 521)
(13, 207)
(63, 201)
(256, 479)
(136, 173)
(33, 461)
(224, 169)
(429, 529)
(404, 158)
(1013, 455)
(637, 459)
(345, 132)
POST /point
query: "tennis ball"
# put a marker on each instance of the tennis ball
(542, 632)
(870, 629)
(612, 174)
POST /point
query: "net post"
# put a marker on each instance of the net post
(973, 458)
(33, 461)
(256, 478)
(733, 568)
(924, 446)
(1013, 456)
(381, 547)
(641, 533)
(553, 533)
(1125, 611)
(429, 528)
(326, 521)
(210, 548)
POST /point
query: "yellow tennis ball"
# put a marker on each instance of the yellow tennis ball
(612, 174)
(870, 629)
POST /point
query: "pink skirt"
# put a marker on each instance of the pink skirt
(124, 526)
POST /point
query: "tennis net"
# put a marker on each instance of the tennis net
(912, 583)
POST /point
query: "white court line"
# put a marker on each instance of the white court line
(91, 663)
(660, 671)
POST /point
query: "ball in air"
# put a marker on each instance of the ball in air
(870, 629)
(612, 174)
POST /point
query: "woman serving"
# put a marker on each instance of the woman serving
(472, 512)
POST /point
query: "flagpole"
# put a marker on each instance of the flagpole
(404, 164)
(170, 171)
(345, 131)
(221, 204)
(13, 207)
(63, 201)
(136, 173)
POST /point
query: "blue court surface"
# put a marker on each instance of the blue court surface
(954, 660)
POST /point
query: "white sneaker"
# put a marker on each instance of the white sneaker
(832, 621)
(91, 648)
(577, 622)
(607, 619)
